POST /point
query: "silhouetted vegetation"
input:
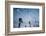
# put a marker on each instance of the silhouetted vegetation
(20, 21)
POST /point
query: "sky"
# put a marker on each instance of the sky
(27, 14)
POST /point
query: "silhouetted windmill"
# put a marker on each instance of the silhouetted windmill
(30, 23)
